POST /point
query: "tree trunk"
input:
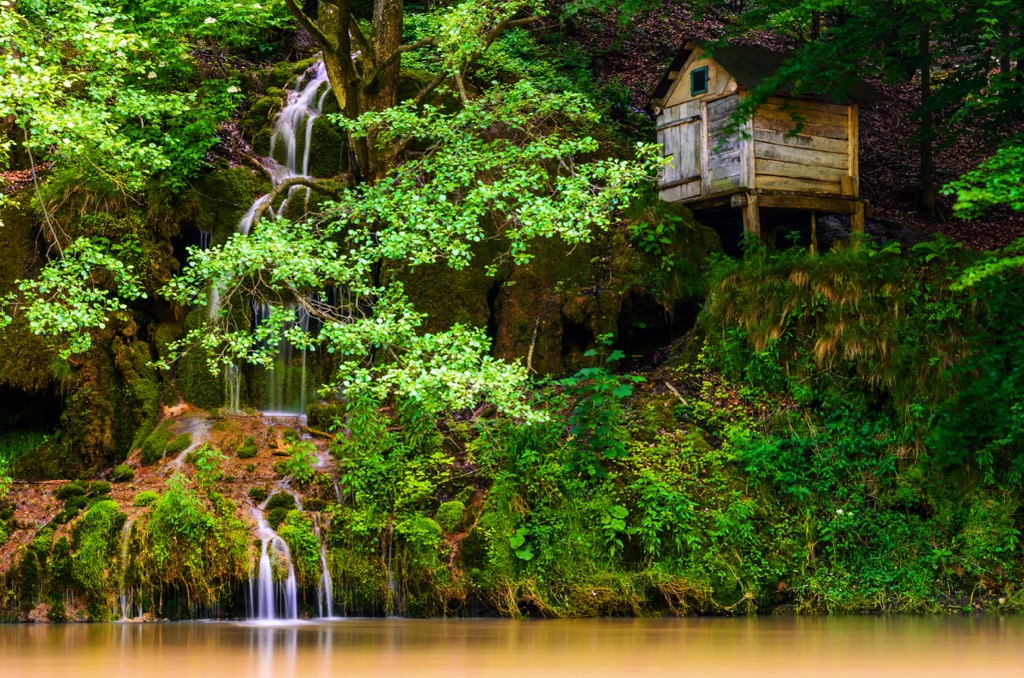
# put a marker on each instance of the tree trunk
(926, 131)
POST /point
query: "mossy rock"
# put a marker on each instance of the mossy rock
(281, 500)
(258, 494)
(178, 445)
(91, 543)
(327, 148)
(195, 382)
(154, 445)
(277, 516)
(76, 488)
(451, 516)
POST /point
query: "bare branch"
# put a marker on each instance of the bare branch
(430, 87)
(364, 45)
(411, 47)
(286, 185)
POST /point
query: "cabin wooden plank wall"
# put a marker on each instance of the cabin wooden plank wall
(680, 135)
(817, 159)
(723, 153)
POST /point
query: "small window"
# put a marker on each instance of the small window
(699, 81)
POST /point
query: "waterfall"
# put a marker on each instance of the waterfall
(264, 592)
(325, 587)
(126, 595)
(292, 133)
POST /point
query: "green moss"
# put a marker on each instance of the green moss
(76, 488)
(91, 543)
(196, 384)
(216, 204)
(178, 445)
(146, 498)
(122, 473)
(98, 488)
(60, 568)
(451, 516)
(248, 449)
(154, 445)
(313, 504)
(327, 148)
(258, 494)
(297, 532)
(276, 516)
(281, 500)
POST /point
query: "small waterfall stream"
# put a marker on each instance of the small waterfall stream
(126, 595)
(290, 143)
(325, 587)
(264, 591)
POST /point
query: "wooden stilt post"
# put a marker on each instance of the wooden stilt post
(857, 218)
(752, 216)
(814, 231)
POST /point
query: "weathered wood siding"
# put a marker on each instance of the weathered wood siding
(719, 80)
(724, 162)
(681, 136)
(817, 159)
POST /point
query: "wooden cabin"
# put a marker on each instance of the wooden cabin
(763, 165)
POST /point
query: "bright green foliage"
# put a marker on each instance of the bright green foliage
(207, 460)
(433, 208)
(301, 462)
(596, 418)
(997, 182)
(190, 544)
(67, 300)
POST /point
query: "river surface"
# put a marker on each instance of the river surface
(904, 647)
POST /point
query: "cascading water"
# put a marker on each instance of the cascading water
(290, 144)
(126, 594)
(268, 599)
(325, 588)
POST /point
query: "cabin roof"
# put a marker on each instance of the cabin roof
(751, 66)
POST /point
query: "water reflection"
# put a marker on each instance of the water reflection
(789, 647)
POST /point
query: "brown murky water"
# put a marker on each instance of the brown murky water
(903, 647)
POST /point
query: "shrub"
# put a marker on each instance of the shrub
(145, 498)
(122, 473)
(257, 494)
(248, 449)
(451, 516)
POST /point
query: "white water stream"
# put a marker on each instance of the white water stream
(290, 146)
(268, 599)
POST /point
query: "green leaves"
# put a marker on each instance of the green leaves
(75, 295)
(997, 182)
